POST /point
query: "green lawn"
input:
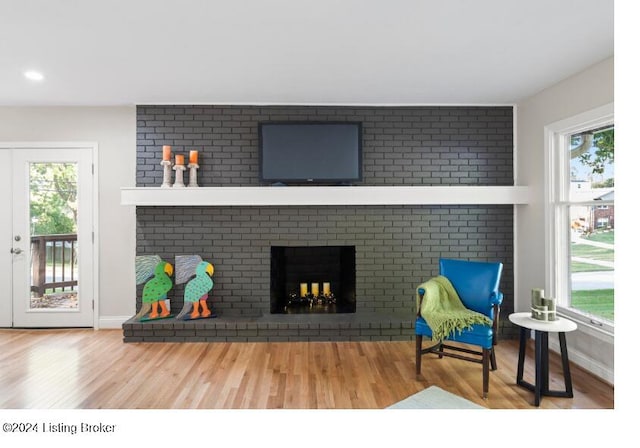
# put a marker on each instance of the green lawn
(587, 267)
(598, 302)
(595, 253)
(601, 237)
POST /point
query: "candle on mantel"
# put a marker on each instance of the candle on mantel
(179, 159)
(304, 289)
(166, 152)
(193, 157)
(326, 288)
(315, 289)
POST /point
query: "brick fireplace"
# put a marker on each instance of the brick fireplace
(396, 246)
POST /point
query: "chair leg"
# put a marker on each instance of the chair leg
(440, 349)
(418, 353)
(485, 372)
(494, 365)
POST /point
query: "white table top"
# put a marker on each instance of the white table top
(525, 320)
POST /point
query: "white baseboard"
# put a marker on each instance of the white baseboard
(112, 322)
(605, 373)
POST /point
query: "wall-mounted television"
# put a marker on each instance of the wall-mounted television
(310, 152)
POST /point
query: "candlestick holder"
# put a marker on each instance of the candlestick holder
(193, 174)
(179, 169)
(166, 175)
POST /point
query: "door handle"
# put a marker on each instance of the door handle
(16, 251)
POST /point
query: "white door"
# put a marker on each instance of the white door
(52, 252)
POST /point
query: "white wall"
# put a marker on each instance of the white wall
(6, 261)
(114, 129)
(587, 90)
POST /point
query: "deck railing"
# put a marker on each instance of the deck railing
(53, 263)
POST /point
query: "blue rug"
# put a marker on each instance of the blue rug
(435, 398)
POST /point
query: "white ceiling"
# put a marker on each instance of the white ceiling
(115, 52)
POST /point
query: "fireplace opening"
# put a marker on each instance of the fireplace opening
(315, 279)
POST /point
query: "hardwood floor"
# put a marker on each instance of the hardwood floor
(86, 369)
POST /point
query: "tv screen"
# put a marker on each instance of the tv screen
(310, 152)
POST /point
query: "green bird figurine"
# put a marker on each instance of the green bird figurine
(155, 292)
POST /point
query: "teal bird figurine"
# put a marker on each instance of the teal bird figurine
(196, 291)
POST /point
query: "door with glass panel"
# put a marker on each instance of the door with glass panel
(51, 241)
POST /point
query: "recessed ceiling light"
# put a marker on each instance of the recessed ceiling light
(33, 75)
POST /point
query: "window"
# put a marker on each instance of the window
(580, 217)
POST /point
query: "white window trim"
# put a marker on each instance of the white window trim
(556, 172)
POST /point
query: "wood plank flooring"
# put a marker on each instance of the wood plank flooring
(87, 369)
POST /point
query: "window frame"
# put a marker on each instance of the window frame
(557, 210)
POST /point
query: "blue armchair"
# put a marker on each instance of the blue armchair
(477, 284)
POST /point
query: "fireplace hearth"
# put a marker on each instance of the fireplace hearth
(313, 279)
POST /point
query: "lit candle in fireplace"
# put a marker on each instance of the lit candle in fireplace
(304, 289)
(315, 289)
(326, 288)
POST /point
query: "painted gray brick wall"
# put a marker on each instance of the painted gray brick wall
(401, 145)
(397, 247)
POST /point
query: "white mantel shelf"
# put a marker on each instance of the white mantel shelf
(321, 195)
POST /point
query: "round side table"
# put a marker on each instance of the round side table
(542, 330)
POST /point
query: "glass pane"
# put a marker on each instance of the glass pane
(53, 194)
(592, 166)
(592, 226)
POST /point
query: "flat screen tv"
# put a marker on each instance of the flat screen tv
(310, 152)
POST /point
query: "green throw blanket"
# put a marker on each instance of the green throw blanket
(444, 311)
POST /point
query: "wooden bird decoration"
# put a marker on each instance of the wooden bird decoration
(157, 275)
(196, 291)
